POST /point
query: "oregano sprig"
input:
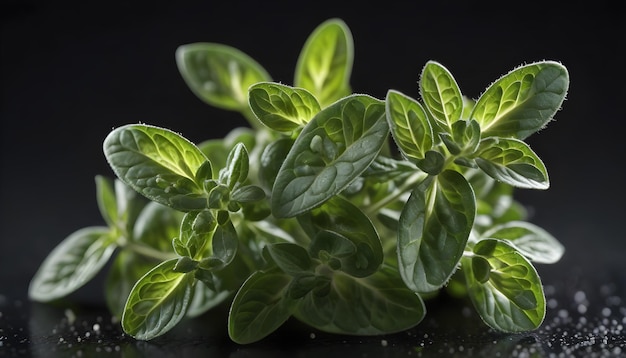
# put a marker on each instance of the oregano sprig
(338, 209)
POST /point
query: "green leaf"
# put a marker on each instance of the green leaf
(196, 229)
(293, 259)
(281, 107)
(272, 158)
(512, 299)
(325, 63)
(127, 268)
(435, 225)
(105, 195)
(259, 307)
(156, 225)
(340, 216)
(72, 263)
(530, 240)
(248, 194)
(157, 302)
(237, 165)
(217, 150)
(374, 305)
(331, 151)
(223, 244)
(220, 75)
(409, 125)
(158, 163)
(513, 162)
(204, 298)
(523, 101)
(441, 94)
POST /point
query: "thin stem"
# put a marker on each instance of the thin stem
(148, 251)
(408, 184)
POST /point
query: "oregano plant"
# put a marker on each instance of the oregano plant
(338, 209)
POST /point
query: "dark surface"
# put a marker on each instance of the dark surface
(70, 73)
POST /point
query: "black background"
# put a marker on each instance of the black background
(71, 72)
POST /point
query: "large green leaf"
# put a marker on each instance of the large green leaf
(157, 302)
(260, 306)
(127, 268)
(530, 240)
(441, 94)
(522, 101)
(435, 225)
(325, 63)
(377, 304)
(509, 296)
(72, 263)
(345, 222)
(281, 107)
(409, 125)
(220, 75)
(513, 162)
(158, 163)
(332, 150)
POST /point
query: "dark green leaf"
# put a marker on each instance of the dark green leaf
(156, 225)
(260, 307)
(523, 101)
(512, 299)
(127, 268)
(157, 163)
(72, 263)
(374, 305)
(325, 63)
(293, 259)
(247, 194)
(281, 107)
(513, 162)
(409, 125)
(271, 159)
(157, 302)
(340, 216)
(105, 195)
(434, 228)
(331, 151)
(432, 163)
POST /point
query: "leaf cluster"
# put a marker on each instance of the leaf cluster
(338, 209)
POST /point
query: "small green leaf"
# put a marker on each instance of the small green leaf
(346, 221)
(530, 240)
(409, 125)
(466, 134)
(374, 305)
(432, 163)
(72, 263)
(196, 229)
(435, 225)
(157, 302)
(512, 299)
(441, 94)
(217, 150)
(325, 63)
(481, 269)
(105, 195)
(223, 244)
(248, 194)
(158, 163)
(281, 107)
(523, 101)
(332, 150)
(237, 165)
(293, 259)
(220, 75)
(260, 306)
(271, 159)
(513, 162)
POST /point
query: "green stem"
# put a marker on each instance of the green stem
(408, 184)
(148, 251)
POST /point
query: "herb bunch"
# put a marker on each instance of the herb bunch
(339, 209)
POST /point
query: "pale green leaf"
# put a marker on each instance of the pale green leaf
(409, 125)
(530, 240)
(157, 302)
(441, 94)
(281, 107)
(513, 162)
(523, 101)
(158, 163)
(325, 63)
(72, 263)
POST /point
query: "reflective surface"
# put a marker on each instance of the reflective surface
(586, 317)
